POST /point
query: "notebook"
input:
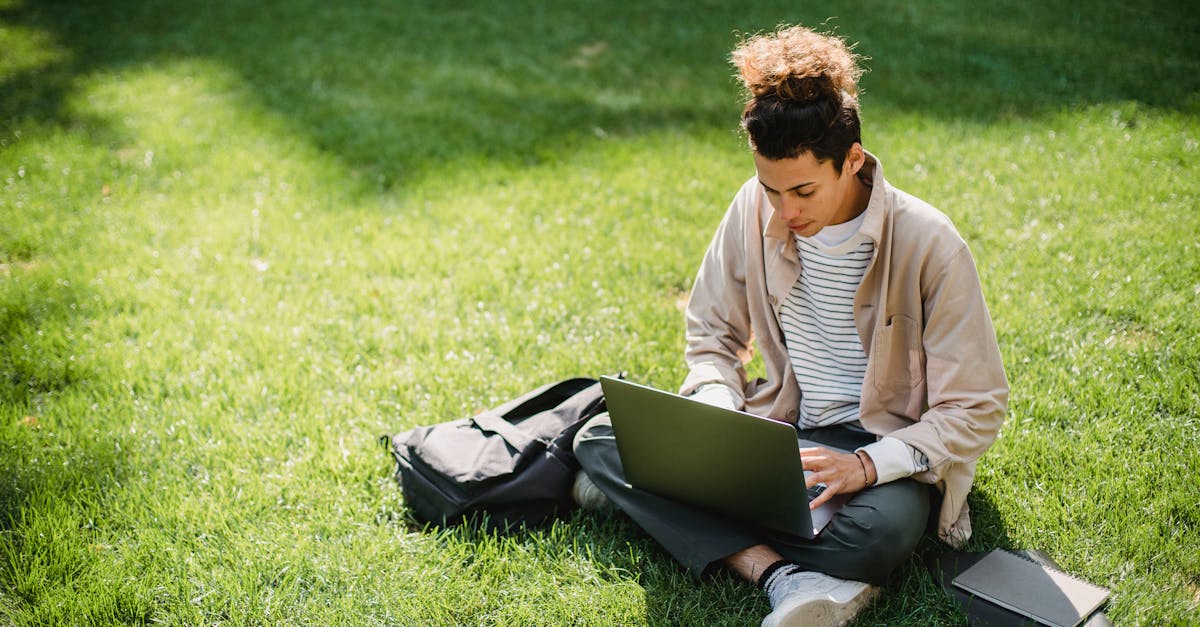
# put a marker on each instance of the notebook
(732, 462)
(1038, 591)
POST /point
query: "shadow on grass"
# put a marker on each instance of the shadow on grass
(914, 596)
(399, 91)
(42, 457)
(618, 549)
(31, 363)
(56, 468)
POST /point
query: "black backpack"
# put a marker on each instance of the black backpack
(510, 465)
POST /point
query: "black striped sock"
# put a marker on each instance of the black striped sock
(780, 567)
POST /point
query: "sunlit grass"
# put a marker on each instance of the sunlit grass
(238, 243)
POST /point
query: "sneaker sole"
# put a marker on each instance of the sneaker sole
(825, 611)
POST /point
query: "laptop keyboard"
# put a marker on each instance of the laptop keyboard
(816, 491)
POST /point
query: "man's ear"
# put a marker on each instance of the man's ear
(856, 157)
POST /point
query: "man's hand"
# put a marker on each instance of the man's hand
(842, 473)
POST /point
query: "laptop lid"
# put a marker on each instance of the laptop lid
(736, 463)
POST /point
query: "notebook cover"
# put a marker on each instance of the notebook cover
(1032, 589)
(946, 565)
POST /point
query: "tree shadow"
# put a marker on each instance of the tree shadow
(400, 91)
(620, 548)
(27, 372)
(988, 62)
(38, 460)
(395, 92)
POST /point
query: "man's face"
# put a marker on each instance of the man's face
(810, 195)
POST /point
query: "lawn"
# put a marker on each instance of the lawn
(239, 241)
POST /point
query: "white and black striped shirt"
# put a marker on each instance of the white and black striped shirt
(818, 324)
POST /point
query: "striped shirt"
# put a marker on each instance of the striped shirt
(818, 324)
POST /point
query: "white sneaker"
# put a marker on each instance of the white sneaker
(808, 598)
(587, 495)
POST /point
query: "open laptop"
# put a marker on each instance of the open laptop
(738, 464)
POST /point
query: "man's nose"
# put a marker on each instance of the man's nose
(789, 207)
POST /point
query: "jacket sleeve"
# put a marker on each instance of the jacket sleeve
(719, 334)
(965, 381)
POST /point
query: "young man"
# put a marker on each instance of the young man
(865, 305)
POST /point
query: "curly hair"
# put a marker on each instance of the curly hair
(803, 88)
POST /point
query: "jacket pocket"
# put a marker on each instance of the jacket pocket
(898, 357)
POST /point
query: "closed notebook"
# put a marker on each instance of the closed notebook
(1035, 590)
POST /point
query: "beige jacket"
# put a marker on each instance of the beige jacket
(935, 379)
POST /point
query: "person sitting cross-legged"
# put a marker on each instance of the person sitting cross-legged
(866, 308)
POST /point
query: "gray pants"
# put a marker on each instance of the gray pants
(868, 538)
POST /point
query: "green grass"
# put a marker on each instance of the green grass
(239, 241)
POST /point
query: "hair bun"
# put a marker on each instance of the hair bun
(798, 64)
(805, 89)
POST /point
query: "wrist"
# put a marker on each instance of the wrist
(870, 476)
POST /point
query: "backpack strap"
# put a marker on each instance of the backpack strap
(496, 423)
(543, 398)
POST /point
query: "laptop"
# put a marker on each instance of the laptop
(738, 464)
